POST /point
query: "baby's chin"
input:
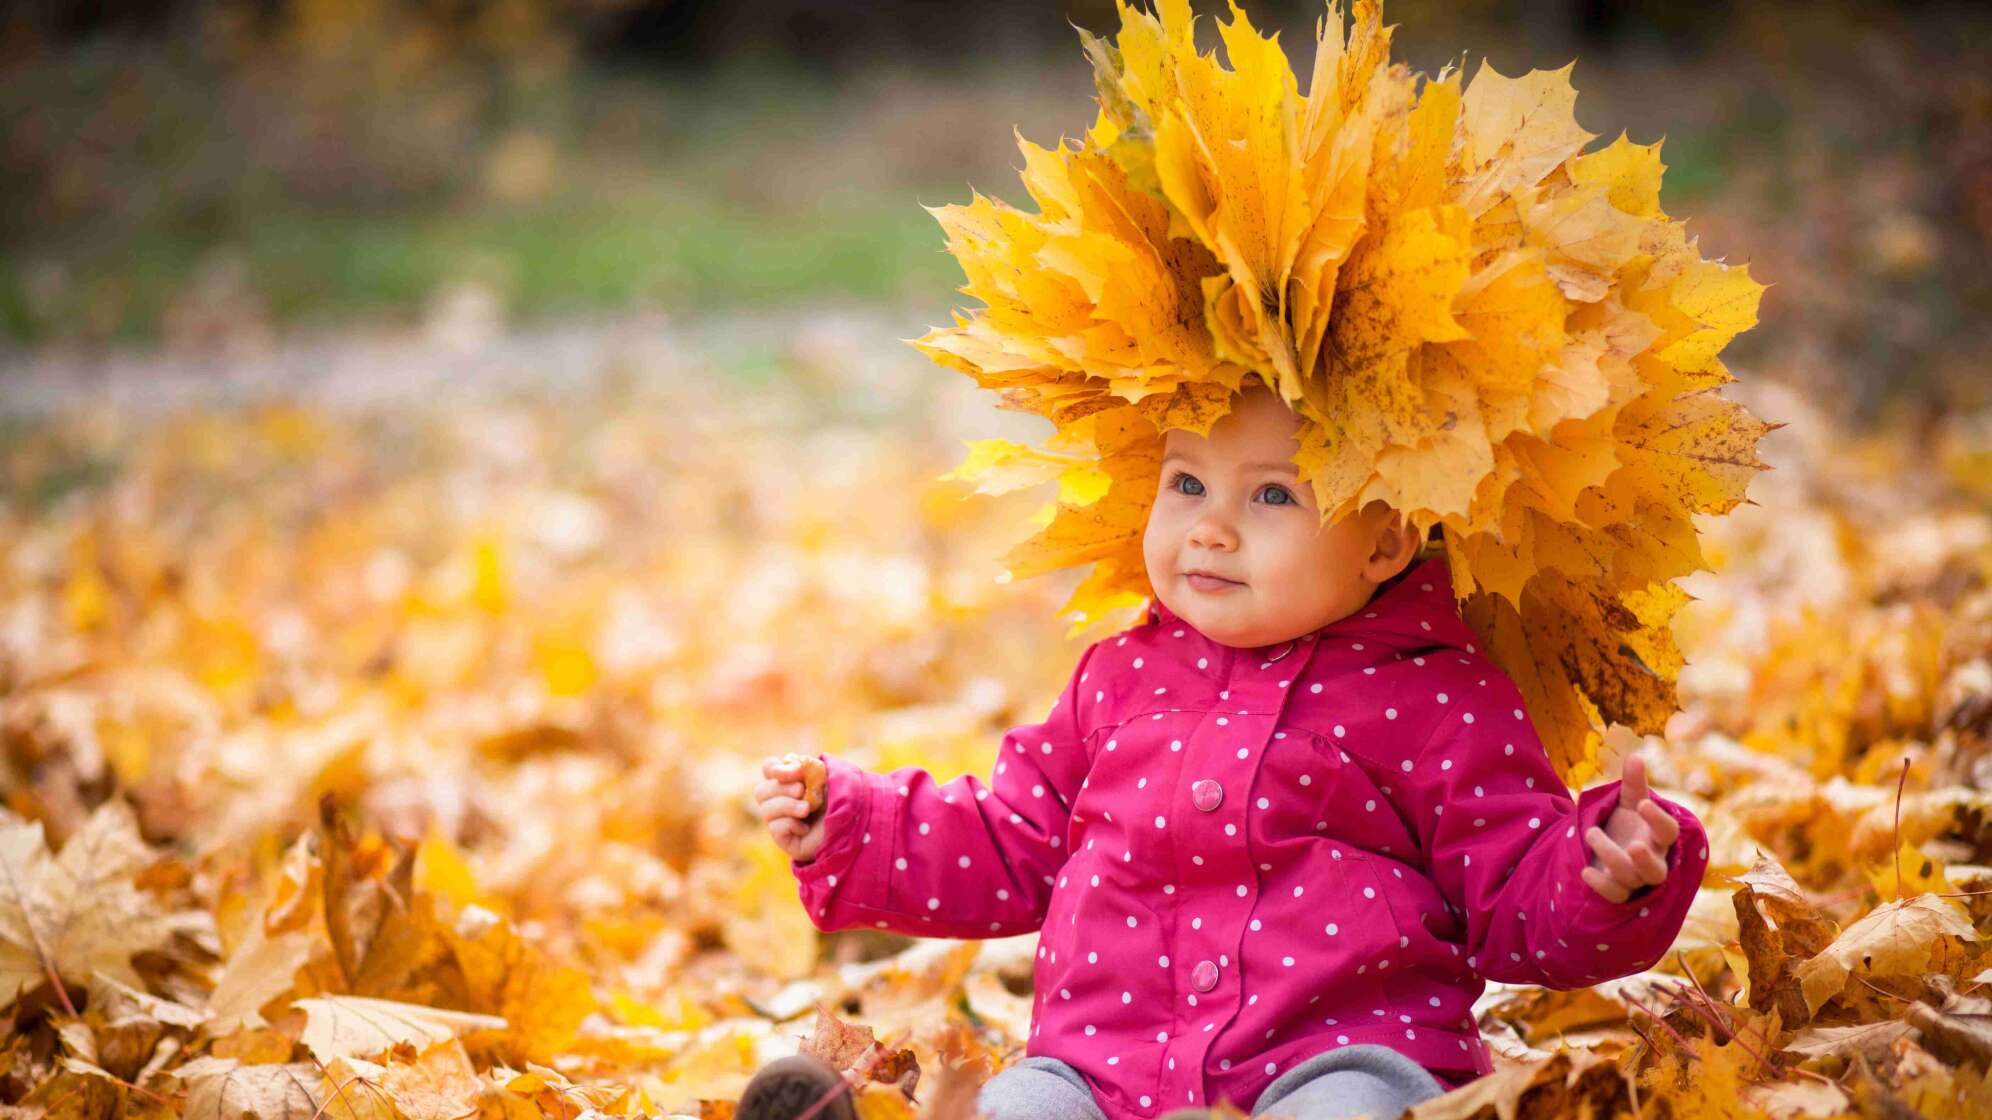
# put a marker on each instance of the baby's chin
(1230, 628)
(1252, 639)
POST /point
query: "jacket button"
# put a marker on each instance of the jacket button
(1207, 794)
(1204, 976)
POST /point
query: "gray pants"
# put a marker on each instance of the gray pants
(1350, 1081)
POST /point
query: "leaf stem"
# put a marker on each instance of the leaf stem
(1899, 783)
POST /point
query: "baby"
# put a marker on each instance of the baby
(1275, 838)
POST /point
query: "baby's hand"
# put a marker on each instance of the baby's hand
(790, 799)
(1630, 852)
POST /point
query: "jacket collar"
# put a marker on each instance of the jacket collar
(1402, 613)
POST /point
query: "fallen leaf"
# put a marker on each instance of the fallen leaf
(77, 912)
(260, 971)
(1893, 939)
(1865, 1039)
(338, 1026)
(239, 1092)
(1960, 1039)
(440, 1084)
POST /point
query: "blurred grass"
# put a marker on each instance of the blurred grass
(671, 246)
(691, 195)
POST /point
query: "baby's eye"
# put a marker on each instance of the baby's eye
(1285, 496)
(1190, 479)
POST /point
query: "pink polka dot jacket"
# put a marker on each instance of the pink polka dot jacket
(1239, 858)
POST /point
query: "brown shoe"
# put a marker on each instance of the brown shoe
(787, 1088)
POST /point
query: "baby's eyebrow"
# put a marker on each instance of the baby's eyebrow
(1287, 467)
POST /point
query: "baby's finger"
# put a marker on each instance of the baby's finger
(1632, 783)
(784, 807)
(1665, 827)
(1652, 869)
(1605, 885)
(1611, 857)
(769, 787)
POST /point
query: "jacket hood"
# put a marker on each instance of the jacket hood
(1414, 609)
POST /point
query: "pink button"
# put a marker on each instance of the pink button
(1204, 976)
(1207, 794)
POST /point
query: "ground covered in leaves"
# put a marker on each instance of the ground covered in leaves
(393, 761)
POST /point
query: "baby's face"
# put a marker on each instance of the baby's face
(1231, 505)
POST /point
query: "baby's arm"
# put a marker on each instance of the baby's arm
(1507, 846)
(957, 859)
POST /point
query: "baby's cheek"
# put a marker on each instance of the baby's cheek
(1157, 550)
(1307, 585)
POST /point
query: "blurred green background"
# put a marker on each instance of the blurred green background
(188, 176)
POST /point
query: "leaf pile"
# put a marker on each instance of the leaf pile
(394, 764)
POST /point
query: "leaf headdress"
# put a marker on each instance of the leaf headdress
(1477, 322)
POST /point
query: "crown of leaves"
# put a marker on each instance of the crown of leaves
(1476, 322)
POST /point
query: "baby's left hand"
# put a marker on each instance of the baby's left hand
(1630, 852)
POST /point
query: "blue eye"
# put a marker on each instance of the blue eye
(1286, 498)
(1191, 479)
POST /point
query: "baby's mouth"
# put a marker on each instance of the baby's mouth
(1204, 581)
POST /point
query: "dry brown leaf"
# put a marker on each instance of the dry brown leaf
(439, 1084)
(261, 970)
(76, 912)
(1961, 1039)
(1865, 1039)
(351, 1091)
(1893, 939)
(338, 1026)
(837, 1043)
(1569, 1083)
(363, 890)
(1793, 1099)
(1778, 928)
(1543, 1014)
(118, 1004)
(852, 1047)
(219, 1090)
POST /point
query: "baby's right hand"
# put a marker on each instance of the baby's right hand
(784, 799)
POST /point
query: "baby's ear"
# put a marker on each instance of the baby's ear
(1397, 537)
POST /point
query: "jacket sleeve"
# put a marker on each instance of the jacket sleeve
(904, 852)
(1505, 844)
